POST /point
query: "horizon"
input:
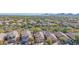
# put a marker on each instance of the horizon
(38, 14)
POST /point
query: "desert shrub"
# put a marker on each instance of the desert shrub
(31, 40)
(49, 41)
(36, 29)
(1, 30)
(62, 40)
(76, 40)
(1, 42)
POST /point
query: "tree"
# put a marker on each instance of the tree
(62, 40)
(36, 29)
(48, 41)
(26, 18)
(64, 30)
(76, 40)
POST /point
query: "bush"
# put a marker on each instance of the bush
(36, 29)
(31, 40)
(49, 41)
(76, 40)
(1, 42)
(62, 40)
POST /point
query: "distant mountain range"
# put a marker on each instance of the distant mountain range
(38, 14)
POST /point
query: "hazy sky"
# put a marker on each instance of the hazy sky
(39, 6)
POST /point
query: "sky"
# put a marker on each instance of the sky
(39, 6)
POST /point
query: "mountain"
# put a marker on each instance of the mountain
(38, 14)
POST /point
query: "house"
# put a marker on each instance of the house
(42, 43)
(26, 36)
(71, 35)
(51, 36)
(39, 37)
(2, 36)
(57, 43)
(60, 34)
(63, 38)
(12, 37)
